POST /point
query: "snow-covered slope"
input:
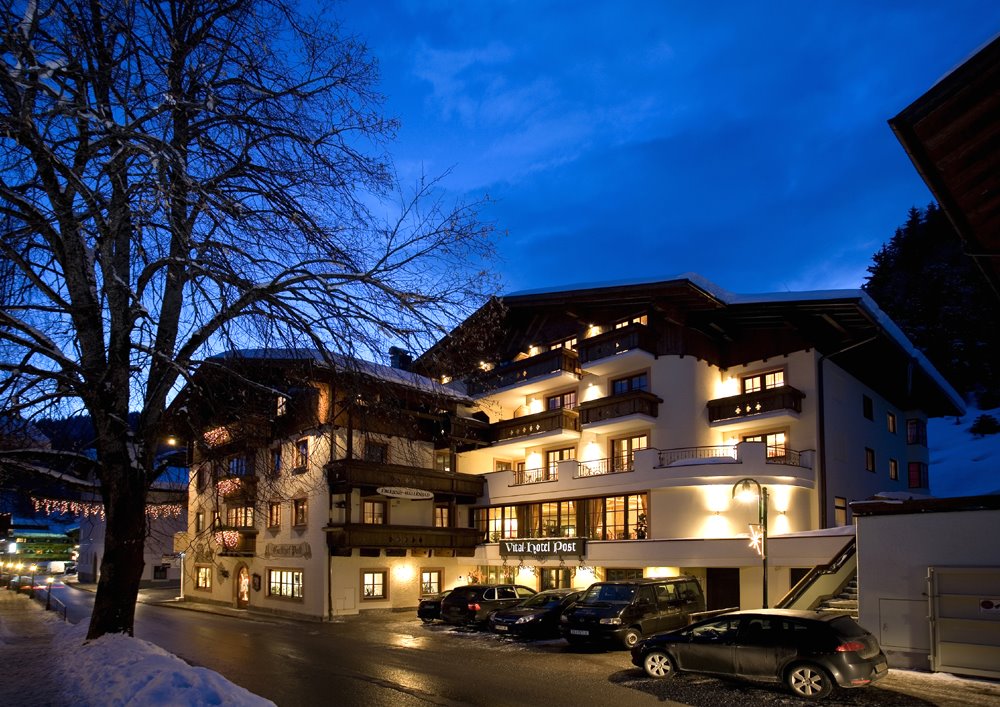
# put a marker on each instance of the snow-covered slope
(962, 464)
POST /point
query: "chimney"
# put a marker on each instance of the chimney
(399, 358)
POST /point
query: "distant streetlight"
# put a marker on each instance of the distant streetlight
(746, 490)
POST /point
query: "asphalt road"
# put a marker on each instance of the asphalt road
(394, 659)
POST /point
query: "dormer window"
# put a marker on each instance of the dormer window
(569, 343)
(639, 319)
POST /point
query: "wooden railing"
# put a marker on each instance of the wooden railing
(346, 473)
(542, 364)
(548, 421)
(737, 406)
(616, 341)
(636, 402)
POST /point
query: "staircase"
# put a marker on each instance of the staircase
(845, 603)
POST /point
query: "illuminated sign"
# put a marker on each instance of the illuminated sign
(543, 547)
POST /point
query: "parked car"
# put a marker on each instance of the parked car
(473, 603)
(625, 611)
(809, 651)
(429, 607)
(537, 616)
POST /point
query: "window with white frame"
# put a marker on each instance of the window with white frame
(300, 511)
(373, 512)
(430, 581)
(374, 585)
(301, 455)
(763, 381)
(284, 583)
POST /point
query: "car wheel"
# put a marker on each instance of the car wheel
(631, 637)
(658, 665)
(426, 620)
(809, 681)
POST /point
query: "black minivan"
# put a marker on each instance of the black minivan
(625, 611)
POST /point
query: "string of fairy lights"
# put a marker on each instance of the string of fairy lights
(96, 508)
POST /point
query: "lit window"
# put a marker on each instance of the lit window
(623, 451)
(763, 381)
(564, 344)
(373, 512)
(562, 401)
(430, 581)
(284, 583)
(281, 406)
(893, 469)
(301, 455)
(199, 521)
(869, 459)
(237, 466)
(274, 514)
(442, 515)
(641, 319)
(890, 422)
(374, 584)
(775, 442)
(240, 517)
(554, 456)
(840, 510)
(203, 577)
(442, 461)
(300, 511)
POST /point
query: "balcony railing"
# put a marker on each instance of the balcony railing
(523, 477)
(672, 456)
(548, 421)
(738, 406)
(356, 472)
(636, 402)
(612, 465)
(343, 536)
(555, 361)
(789, 457)
(617, 341)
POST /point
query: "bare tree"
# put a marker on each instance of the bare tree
(181, 176)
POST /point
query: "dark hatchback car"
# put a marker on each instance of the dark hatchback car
(429, 607)
(809, 651)
(473, 603)
(537, 616)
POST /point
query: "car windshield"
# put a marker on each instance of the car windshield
(613, 593)
(542, 601)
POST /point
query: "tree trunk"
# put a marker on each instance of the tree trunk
(122, 564)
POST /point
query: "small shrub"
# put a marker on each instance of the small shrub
(985, 425)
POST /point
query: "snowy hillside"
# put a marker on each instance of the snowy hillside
(962, 464)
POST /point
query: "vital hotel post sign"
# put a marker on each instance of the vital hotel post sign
(543, 547)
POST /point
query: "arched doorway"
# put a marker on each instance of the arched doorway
(243, 588)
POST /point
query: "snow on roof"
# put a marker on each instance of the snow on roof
(866, 303)
(347, 363)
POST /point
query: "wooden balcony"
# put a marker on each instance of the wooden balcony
(349, 473)
(636, 402)
(560, 360)
(561, 420)
(786, 398)
(344, 536)
(617, 341)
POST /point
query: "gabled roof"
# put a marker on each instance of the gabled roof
(843, 325)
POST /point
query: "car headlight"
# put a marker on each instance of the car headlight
(525, 619)
(614, 621)
(563, 619)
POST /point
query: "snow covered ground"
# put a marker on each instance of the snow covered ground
(53, 665)
(962, 464)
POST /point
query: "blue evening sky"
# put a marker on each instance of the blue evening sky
(745, 141)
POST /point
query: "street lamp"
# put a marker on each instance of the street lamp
(747, 490)
(48, 594)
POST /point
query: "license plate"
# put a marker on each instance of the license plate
(500, 628)
(576, 632)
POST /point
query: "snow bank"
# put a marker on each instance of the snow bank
(117, 670)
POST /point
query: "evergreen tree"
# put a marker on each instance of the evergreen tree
(924, 281)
